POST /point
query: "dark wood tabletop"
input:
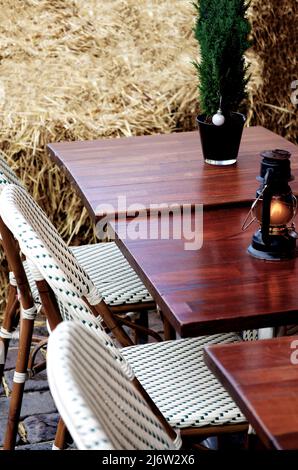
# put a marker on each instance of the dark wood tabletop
(263, 381)
(219, 287)
(163, 169)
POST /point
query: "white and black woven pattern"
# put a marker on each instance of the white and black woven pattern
(111, 273)
(41, 243)
(3, 181)
(94, 271)
(175, 376)
(261, 333)
(7, 175)
(47, 255)
(250, 335)
(103, 262)
(95, 397)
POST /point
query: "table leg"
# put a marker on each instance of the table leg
(169, 331)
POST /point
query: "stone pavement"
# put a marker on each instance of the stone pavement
(39, 415)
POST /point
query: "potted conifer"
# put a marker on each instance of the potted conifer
(222, 30)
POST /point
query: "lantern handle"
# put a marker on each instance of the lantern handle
(295, 204)
(246, 224)
(266, 207)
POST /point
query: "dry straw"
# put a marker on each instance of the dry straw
(275, 35)
(85, 69)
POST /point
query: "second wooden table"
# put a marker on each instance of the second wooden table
(262, 377)
(217, 288)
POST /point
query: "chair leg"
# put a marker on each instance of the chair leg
(140, 337)
(10, 322)
(60, 438)
(18, 383)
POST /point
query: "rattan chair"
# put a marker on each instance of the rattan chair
(121, 287)
(11, 317)
(93, 389)
(171, 375)
(109, 270)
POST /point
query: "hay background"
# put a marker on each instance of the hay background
(85, 69)
(275, 57)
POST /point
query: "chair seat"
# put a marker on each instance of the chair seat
(110, 272)
(175, 376)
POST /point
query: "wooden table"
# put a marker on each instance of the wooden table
(163, 169)
(219, 287)
(263, 382)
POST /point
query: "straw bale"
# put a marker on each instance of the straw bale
(88, 69)
(85, 69)
(274, 66)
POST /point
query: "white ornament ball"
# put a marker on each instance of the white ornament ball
(218, 119)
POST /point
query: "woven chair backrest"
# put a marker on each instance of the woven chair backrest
(95, 395)
(47, 254)
(7, 175)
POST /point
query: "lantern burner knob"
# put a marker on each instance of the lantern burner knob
(277, 154)
(278, 162)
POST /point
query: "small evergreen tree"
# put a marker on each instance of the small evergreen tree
(222, 30)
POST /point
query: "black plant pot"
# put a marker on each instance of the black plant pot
(220, 144)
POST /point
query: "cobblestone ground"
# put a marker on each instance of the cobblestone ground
(39, 416)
